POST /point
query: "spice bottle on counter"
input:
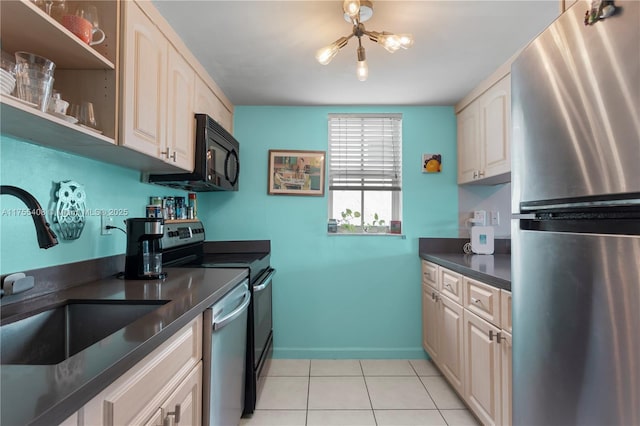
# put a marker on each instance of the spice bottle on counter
(181, 211)
(170, 208)
(193, 202)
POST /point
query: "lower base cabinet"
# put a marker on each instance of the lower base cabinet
(473, 354)
(184, 406)
(165, 382)
(506, 346)
(452, 343)
(482, 389)
(430, 322)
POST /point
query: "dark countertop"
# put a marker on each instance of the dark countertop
(493, 269)
(48, 394)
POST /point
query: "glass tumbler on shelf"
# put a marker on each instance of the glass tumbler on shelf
(85, 113)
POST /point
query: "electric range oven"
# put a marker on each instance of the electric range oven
(184, 244)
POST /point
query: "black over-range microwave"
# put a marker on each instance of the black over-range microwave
(217, 162)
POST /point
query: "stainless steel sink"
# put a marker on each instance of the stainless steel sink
(51, 336)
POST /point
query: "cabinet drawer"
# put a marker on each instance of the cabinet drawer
(505, 310)
(430, 274)
(483, 300)
(451, 285)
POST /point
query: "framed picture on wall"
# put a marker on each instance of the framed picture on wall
(296, 172)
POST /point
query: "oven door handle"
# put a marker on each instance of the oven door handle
(217, 325)
(265, 283)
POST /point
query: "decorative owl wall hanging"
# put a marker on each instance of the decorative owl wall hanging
(70, 209)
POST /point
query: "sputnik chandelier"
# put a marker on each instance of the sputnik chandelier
(356, 12)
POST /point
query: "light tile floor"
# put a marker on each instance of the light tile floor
(357, 393)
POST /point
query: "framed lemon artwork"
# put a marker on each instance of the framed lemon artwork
(431, 163)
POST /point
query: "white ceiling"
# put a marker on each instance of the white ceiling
(263, 52)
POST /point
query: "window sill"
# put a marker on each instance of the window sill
(367, 234)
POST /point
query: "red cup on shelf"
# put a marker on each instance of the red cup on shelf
(83, 29)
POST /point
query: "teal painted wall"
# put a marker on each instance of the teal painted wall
(334, 296)
(36, 169)
(339, 296)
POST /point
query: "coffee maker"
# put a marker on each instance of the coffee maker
(144, 249)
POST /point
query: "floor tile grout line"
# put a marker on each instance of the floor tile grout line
(306, 413)
(364, 378)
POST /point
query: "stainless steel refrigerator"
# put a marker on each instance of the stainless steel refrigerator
(576, 227)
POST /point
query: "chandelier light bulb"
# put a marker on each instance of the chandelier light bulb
(326, 54)
(391, 42)
(406, 40)
(362, 70)
(351, 8)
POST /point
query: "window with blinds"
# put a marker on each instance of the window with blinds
(365, 152)
(365, 171)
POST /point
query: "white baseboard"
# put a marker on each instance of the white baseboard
(350, 353)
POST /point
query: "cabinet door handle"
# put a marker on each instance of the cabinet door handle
(173, 156)
(165, 153)
(175, 414)
(499, 337)
(476, 301)
(448, 285)
(491, 335)
(480, 173)
(475, 174)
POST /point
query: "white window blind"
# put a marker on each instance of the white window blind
(365, 152)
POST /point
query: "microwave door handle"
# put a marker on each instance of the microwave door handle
(230, 154)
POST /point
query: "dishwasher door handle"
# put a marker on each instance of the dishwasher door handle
(218, 324)
(266, 282)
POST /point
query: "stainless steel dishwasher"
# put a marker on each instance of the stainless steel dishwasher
(224, 355)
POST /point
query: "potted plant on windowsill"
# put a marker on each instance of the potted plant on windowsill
(347, 216)
(377, 226)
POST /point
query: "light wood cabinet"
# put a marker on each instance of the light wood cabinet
(430, 274)
(495, 125)
(184, 406)
(450, 284)
(482, 389)
(205, 99)
(158, 94)
(442, 321)
(469, 143)
(483, 300)
(452, 342)
(484, 153)
(467, 332)
(506, 395)
(430, 323)
(180, 111)
(127, 80)
(170, 375)
(208, 103)
(505, 311)
(144, 81)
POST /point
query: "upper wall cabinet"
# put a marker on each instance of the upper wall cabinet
(141, 81)
(208, 103)
(144, 83)
(157, 92)
(484, 125)
(83, 73)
